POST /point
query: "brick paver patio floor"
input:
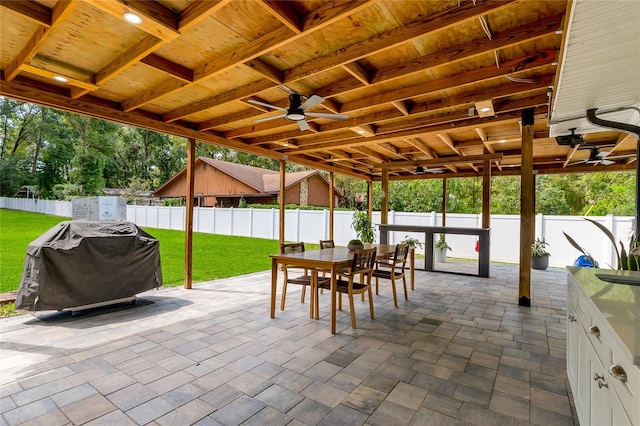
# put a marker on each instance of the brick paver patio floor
(459, 351)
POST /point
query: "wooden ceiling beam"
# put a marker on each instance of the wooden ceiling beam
(481, 46)
(283, 13)
(232, 95)
(59, 14)
(168, 67)
(31, 10)
(538, 61)
(250, 51)
(423, 147)
(157, 20)
(265, 70)
(198, 11)
(442, 161)
(449, 142)
(401, 106)
(421, 27)
(462, 124)
(358, 71)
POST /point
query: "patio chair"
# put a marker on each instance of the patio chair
(305, 279)
(324, 244)
(393, 269)
(362, 265)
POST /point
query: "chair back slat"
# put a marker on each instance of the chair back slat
(291, 248)
(363, 261)
(326, 244)
(401, 253)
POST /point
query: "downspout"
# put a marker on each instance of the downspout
(629, 128)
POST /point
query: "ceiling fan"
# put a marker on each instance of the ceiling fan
(421, 170)
(600, 157)
(297, 110)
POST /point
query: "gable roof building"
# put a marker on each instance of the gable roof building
(223, 184)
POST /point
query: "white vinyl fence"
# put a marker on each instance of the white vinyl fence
(313, 225)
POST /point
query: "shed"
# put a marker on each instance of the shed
(220, 183)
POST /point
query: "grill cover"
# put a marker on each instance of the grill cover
(78, 263)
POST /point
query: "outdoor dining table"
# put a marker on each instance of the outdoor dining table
(329, 259)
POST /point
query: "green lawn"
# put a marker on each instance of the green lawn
(214, 256)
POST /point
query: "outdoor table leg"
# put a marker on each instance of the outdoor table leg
(274, 286)
(314, 285)
(412, 266)
(334, 272)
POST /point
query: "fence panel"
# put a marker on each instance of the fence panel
(313, 225)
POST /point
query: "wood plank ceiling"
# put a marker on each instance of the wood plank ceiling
(413, 77)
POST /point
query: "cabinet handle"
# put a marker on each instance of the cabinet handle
(597, 377)
(618, 372)
(572, 318)
(594, 330)
(602, 384)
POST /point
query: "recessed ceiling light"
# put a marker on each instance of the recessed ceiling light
(502, 141)
(132, 18)
(485, 109)
(361, 132)
(60, 78)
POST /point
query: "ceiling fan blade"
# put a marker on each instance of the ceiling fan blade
(602, 154)
(311, 102)
(578, 162)
(273, 117)
(341, 117)
(607, 162)
(253, 101)
(620, 157)
(433, 170)
(303, 125)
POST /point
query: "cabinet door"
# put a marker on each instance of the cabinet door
(584, 377)
(600, 406)
(573, 329)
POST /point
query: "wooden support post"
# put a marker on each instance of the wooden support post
(331, 202)
(527, 208)
(444, 202)
(369, 198)
(384, 208)
(188, 226)
(486, 194)
(283, 166)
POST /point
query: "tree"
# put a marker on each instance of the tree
(94, 141)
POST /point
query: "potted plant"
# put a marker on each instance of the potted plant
(363, 226)
(441, 249)
(413, 242)
(539, 254)
(355, 244)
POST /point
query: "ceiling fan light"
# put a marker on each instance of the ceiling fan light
(132, 18)
(295, 116)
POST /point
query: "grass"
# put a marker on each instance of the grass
(214, 256)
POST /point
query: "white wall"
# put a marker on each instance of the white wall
(313, 225)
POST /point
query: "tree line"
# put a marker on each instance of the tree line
(60, 155)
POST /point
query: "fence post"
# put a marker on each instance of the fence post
(213, 217)
(297, 224)
(231, 219)
(540, 225)
(251, 222)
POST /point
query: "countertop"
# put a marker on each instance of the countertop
(618, 303)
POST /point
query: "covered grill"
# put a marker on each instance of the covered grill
(78, 263)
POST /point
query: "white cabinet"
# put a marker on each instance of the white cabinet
(595, 360)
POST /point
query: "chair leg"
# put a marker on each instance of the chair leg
(284, 295)
(393, 288)
(352, 309)
(404, 283)
(304, 288)
(376, 286)
(371, 303)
